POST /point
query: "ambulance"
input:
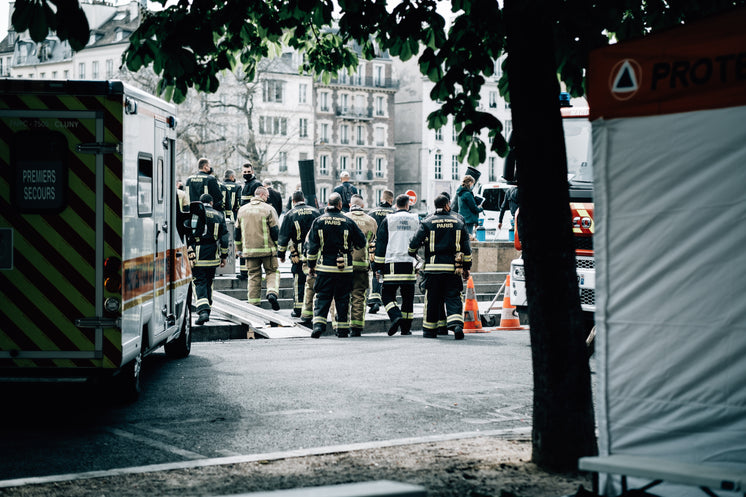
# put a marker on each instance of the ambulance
(94, 273)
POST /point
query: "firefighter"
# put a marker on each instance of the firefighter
(295, 226)
(360, 264)
(380, 212)
(231, 195)
(251, 183)
(210, 249)
(447, 263)
(204, 182)
(256, 238)
(332, 239)
(393, 263)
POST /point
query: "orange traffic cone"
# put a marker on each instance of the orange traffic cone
(472, 323)
(509, 316)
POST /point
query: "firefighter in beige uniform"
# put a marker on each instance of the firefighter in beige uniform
(360, 264)
(256, 240)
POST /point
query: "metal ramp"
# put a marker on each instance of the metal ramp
(269, 324)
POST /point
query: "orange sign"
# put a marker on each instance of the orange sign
(412, 197)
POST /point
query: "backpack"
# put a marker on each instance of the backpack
(346, 195)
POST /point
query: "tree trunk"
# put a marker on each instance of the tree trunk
(563, 423)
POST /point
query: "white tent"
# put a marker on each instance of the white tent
(669, 152)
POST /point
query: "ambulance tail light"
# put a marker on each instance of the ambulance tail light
(113, 275)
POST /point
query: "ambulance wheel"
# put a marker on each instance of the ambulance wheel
(181, 346)
(128, 380)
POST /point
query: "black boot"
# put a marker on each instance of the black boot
(272, 299)
(356, 332)
(204, 316)
(394, 326)
(458, 333)
(317, 332)
(374, 307)
(406, 327)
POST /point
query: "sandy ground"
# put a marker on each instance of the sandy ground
(476, 467)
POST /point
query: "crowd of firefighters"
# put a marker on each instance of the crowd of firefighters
(332, 253)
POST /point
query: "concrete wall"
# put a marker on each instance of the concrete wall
(492, 256)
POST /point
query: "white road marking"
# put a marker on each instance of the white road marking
(270, 456)
(155, 443)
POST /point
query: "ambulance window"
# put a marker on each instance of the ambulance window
(159, 180)
(144, 185)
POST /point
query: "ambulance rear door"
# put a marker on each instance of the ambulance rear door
(52, 235)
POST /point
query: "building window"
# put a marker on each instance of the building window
(380, 106)
(283, 160)
(42, 75)
(273, 90)
(344, 162)
(379, 168)
(379, 136)
(438, 166)
(454, 135)
(378, 75)
(439, 135)
(493, 99)
(507, 128)
(361, 135)
(359, 162)
(109, 68)
(324, 101)
(493, 171)
(66, 74)
(360, 105)
(302, 91)
(81, 70)
(359, 74)
(454, 167)
(323, 194)
(342, 77)
(54, 74)
(94, 69)
(303, 127)
(269, 125)
(377, 194)
(344, 103)
(324, 133)
(344, 134)
(324, 166)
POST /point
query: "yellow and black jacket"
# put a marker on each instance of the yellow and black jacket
(212, 244)
(333, 235)
(380, 212)
(231, 199)
(295, 227)
(200, 183)
(443, 235)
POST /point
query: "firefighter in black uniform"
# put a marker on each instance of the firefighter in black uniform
(204, 182)
(231, 195)
(251, 183)
(295, 227)
(379, 213)
(331, 240)
(208, 250)
(447, 263)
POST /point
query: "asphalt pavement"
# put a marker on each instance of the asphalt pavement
(245, 397)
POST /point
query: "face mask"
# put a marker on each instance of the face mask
(247, 177)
